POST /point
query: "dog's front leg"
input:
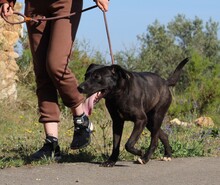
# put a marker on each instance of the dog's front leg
(117, 133)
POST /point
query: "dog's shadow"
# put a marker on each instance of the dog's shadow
(85, 157)
(82, 156)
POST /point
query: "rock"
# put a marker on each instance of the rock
(204, 122)
(176, 121)
(9, 35)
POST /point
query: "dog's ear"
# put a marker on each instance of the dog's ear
(93, 67)
(116, 69)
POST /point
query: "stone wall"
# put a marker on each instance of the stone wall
(9, 35)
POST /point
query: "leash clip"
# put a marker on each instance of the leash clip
(29, 19)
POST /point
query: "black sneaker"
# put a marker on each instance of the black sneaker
(82, 131)
(50, 149)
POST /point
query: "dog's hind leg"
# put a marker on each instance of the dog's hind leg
(151, 148)
(155, 122)
(135, 135)
(167, 148)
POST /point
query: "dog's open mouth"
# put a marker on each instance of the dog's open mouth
(91, 100)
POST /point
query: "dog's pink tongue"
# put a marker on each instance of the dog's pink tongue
(88, 104)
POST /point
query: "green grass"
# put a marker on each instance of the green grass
(21, 135)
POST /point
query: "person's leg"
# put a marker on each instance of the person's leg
(51, 129)
(62, 36)
(46, 91)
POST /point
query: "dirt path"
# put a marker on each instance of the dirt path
(188, 171)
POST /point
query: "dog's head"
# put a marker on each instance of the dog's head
(102, 80)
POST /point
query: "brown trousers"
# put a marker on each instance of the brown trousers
(51, 44)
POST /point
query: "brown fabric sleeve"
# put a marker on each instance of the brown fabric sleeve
(10, 2)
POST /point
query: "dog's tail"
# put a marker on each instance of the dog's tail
(172, 80)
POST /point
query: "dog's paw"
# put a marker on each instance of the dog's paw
(165, 159)
(108, 164)
(141, 161)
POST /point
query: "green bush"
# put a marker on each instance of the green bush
(201, 94)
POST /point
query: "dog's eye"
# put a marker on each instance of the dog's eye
(96, 77)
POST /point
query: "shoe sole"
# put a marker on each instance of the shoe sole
(91, 127)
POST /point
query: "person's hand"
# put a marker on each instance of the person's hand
(6, 9)
(102, 4)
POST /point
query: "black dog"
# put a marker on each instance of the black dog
(141, 97)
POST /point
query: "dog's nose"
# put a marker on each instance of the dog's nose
(80, 88)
